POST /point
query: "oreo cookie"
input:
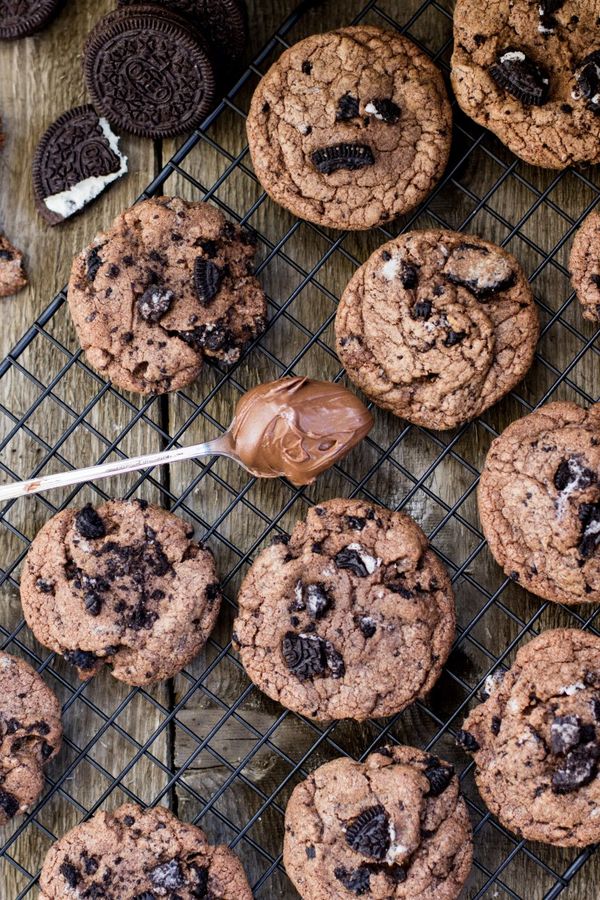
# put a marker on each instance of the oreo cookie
(20, 18)
(75, 160)
(148, 72)
(223, 23)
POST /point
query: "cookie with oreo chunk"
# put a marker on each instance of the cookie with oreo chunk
(393, 826)
(170, 285)
(30, 735)
(351, 128)
(530, 72)
(326, 620)
(539, 502)
(12, 273)
(123, 585)
(142, 855)
(437, 326)
(536, 741)
(584, 264)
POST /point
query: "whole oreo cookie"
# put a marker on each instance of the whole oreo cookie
(20, 18)
(76, 159)
(224, 23)
(148, 72)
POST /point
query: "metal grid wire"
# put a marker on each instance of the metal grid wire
(164, 745)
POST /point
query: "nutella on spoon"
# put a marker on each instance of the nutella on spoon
(293, 427)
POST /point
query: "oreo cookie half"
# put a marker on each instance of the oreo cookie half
(75, 160)
(148, 72)
(224, 24)
(20, 18)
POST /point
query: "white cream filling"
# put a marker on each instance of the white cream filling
(66, 203)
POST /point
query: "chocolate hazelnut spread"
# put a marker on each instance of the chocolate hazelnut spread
(297, 427)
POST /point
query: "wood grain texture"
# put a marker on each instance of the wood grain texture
(39, 79)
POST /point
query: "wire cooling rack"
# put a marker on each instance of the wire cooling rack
(208, 744)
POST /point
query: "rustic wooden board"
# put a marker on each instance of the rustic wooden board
(41, 77)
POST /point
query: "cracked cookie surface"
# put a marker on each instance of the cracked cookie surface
(539, 502)
(30, 735)
(328, 619)
(135, 854)
(584, 264)
(123, 584)
(168, 286)
(350, 128)
(391, 828)
(12, 273)
(529, 70)
(437, 326)
(535, 741)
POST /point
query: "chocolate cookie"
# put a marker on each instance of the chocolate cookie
(351, 128)
(530, 72)
(437, 326)
(536, 743)
(167, 286)
(224, 24)
(12, 274)
(326, 619)
(125, 585)
(30, 735)
(584, 264)
(21, 18)
(394, 826)
(75, 160)
(135, 854)
(539, 502)
(149, 72)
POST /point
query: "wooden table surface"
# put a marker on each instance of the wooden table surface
(39, 79)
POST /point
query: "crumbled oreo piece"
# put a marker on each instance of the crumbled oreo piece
(348, 558)
(565, 734)
(89, 524)
(439, 777)
(571, 472)
(587, 79)
(317, 600)
(154, 303)
(479, 270)
(467, 741)
(93, 263)
(82, 659)
(70, 873)
(454, 337)
(409, 276)
(589, 516)
(334, 660)
(8, 804)
(168, 876)
(347, 108)
(369, 833)
(578, 769)
(521, 77)
(367, 626)
(384, 109)
(422, 310)
(207, 279)
(356, 880)
(546, 10)
(342, 156)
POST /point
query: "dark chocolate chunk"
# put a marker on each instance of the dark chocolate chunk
(89, 524)
(154, 303)
(467, 741)
(521, 76)
(356, 880)
(171, 86)
(565, 733)
(577, 769)
(342, 156)
(587, 78)
(306, 67)
(454, 337)
(351, 559)
(439, 777)
(367, 626)
(387, 110)
(369, 833)
(70, 873)
(347, 108)
(93, 263)
(207, 279)
(421, 310)
(8, 804)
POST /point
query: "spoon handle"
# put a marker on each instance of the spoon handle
(118, 467)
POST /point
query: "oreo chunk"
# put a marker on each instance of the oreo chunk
(93, 263)
(154, 303)
(70, 873)
(454, 337)
(207, 279)
(385, 110)
(351, 559)
(546, 10)
(521, 77)
(571, 473)
(589, 516)
(75, 160)
(342, 156)
(21, 18)
(82, 659)
(89, 524)
(347, 108)
(439, 777)
(149, 74)
(316, 600)
(422, 310)
(367, 626)
(8, 804)
(409, 276)
(168, 876)
(565, 734)
(356, 880)
(334, 660)
(578, 769)
(587, 80)
(479, 269)
(304, 654)
(467, 741)
(369, 833)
